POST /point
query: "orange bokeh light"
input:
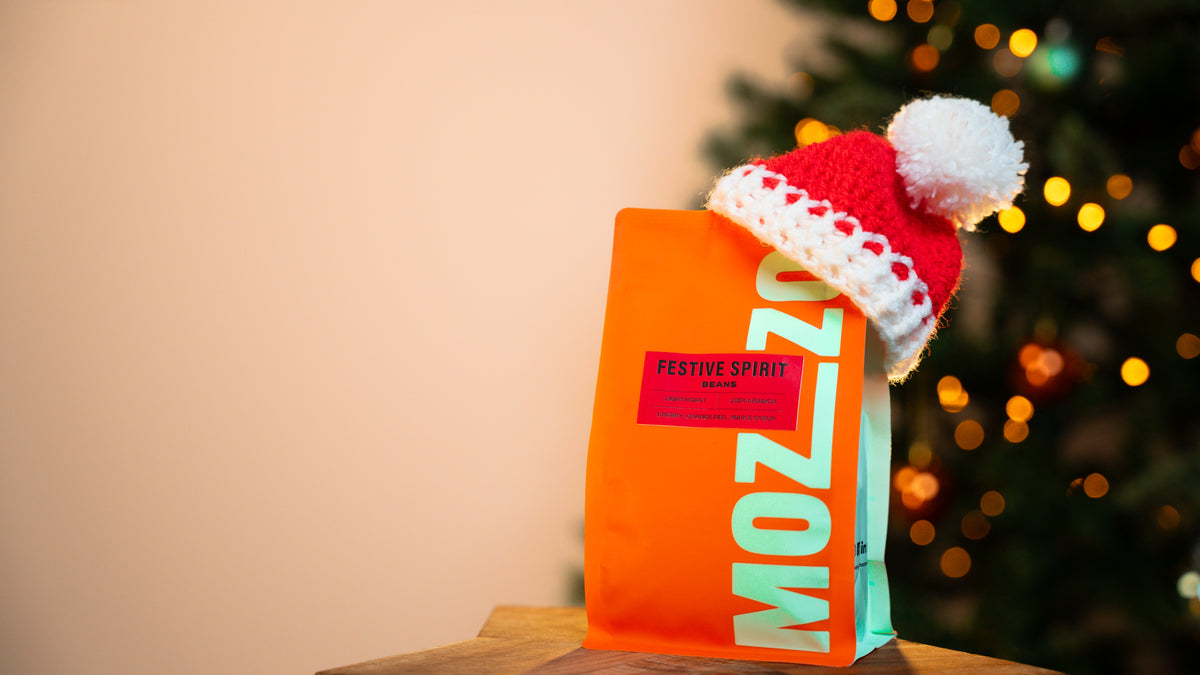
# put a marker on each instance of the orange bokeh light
(882, 10)
(1006, 102)
(1040, 363)
(987, 36)
(1095, 486)
(956, 562)
(992, 503)
(1015, 431)
(968, 434)
(975, 525)
(924, 58)
(922, 532)
(919, 11)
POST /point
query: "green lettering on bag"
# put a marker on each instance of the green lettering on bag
(813, 471)
(823, 341)
(769, 286)
(777, 586)
(780, 586)
(787, 506)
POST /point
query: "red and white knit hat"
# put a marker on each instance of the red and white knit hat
(876, 219)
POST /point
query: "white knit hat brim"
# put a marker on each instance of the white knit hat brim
(832, 245)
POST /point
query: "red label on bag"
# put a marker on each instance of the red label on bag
(728, 391)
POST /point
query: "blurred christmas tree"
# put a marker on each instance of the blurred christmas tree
(1046, 467)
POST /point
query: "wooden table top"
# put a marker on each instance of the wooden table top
(546, 641)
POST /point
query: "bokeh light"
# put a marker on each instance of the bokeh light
(911, 501)
(975, 525)
(1161, 237)
(992, 503)
(1019, 408)
(1091, 217)
(1189, 158)
(956, 562)
(809, 131)
(1063, 61)
(919, 11)
(920, 454)
(1188, 346)
(951, 394)
(915, 487)
(1095, 486)
(801, 85)
(1040, 363)
(1022, 42)
(1196, 269)
(924, 58)
(940, 37)
(1188, 584)
(949, 387)
(922, 533)
(1011, 219)
(987, 36)
(1119, 186)
(925, 486)
(1006, 63)
(1057, 191)
(1167, 517)
(1015, 431)
(882, 10)
(1134, 371)
(968, 435)
(1029, 354)
(1006, 102)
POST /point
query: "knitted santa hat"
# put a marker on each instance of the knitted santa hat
(876, 219)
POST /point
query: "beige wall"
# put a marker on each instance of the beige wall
(300, 308)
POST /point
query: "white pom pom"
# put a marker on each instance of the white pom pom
(958, 158)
